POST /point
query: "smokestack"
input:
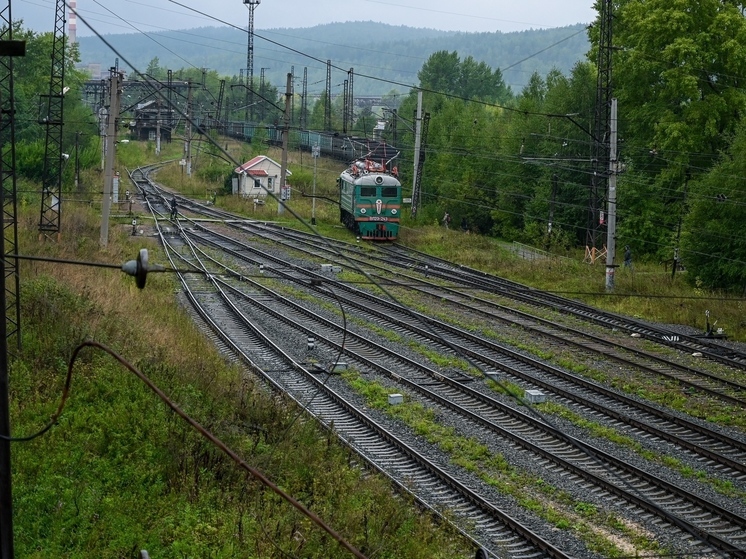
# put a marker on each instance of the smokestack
(72, 24)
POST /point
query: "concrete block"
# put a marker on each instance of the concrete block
(534, 396)
(395, 399)
(339, 366)
(493, 375)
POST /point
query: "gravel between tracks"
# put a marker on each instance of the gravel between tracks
(520, 459)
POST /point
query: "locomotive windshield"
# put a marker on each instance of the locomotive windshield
(389, 192)
(367, 191)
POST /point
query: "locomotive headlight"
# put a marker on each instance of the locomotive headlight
(393, 211)
(362, 210)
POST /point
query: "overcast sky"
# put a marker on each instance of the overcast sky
(115, 16)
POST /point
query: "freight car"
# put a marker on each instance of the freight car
(331, 144)
(370, 199)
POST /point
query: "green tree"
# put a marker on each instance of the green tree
(713, 244)
(31, 75)
(677, 75)
(444, 72)
(154, 70)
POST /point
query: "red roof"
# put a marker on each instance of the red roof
(247, 167)
(251, 163)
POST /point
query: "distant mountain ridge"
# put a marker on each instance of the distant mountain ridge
(385, 53)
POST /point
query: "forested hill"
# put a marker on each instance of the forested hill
(386, 53)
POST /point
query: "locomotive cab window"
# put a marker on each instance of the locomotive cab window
(389, 192)
(368, 191)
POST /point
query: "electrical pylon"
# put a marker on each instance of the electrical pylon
(252, 4)
(600, 158)
(51, 118)
(11, 283)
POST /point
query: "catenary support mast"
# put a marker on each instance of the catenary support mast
(600, 157)
(51, 193)
(249, 99)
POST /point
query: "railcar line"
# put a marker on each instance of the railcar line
(411, 259)
(703, 514)
(694, 438)
(409, 470)
(408, 258)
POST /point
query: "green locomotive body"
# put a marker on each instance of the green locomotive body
(370, 200)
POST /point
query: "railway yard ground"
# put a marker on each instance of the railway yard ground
(528, 422)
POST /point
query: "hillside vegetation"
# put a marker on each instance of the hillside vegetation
(393, 53)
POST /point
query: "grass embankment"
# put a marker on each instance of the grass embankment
(120, 472)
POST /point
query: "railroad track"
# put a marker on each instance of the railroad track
(409, 259)
(727, 454)
(437, 489)
(697, 380)
(720, 538)
(651, 495)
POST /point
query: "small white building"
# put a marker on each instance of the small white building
(256, 175)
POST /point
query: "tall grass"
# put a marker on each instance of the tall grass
(120, 472)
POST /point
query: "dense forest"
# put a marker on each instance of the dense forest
(517, 163)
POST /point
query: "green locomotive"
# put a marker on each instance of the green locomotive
(370, 200)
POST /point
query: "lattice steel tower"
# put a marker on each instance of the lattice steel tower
(51, 193)
(602, 120)
(11, 284)
(252, 4)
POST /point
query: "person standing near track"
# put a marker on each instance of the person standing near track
(174, 210)
(447, 220)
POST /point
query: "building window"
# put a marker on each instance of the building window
(270, 184)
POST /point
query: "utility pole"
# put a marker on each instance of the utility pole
(328, 100)
(188, 130)
(115, 81)
(9, 291)
(601, 126)
(613, 169)
(77, 161)
(252, 4)
(51, 192)
(345, 92)
(315, 153)
(304, 100)
(417, 144)
(285, 134)
(158, 126)
(555, 179)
